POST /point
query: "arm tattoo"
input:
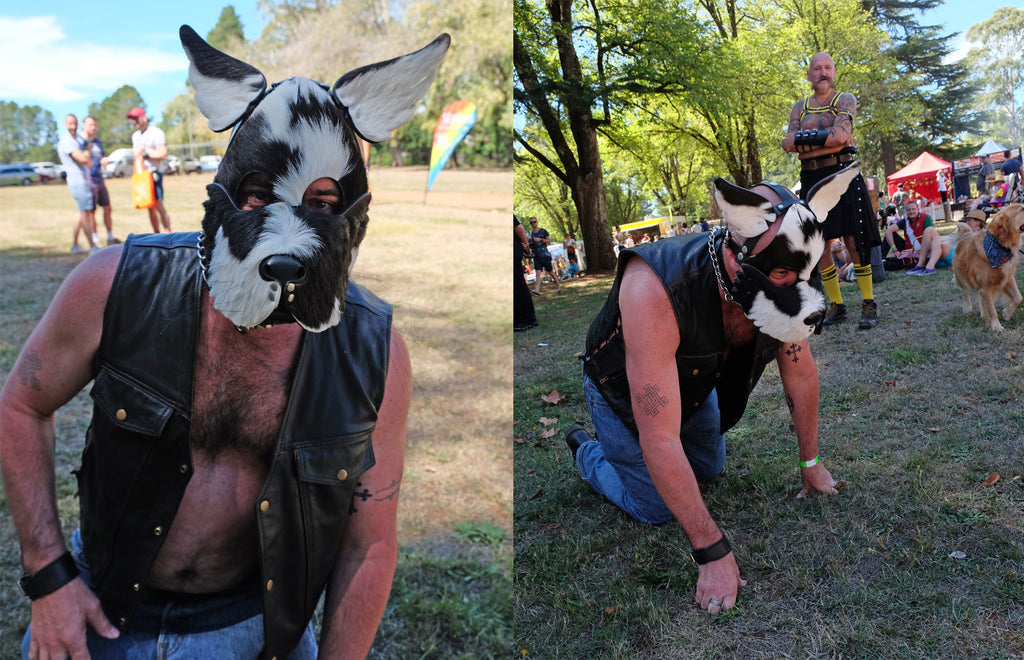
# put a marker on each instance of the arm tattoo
(29, 369)
(362, 494)
(651, 400)
(793, 351)
(790, 404)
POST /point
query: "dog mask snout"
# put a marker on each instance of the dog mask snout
(283, 269)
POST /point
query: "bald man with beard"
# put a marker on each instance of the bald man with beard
(821, 133)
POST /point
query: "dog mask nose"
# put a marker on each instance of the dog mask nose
(815, 318)
(284, 269)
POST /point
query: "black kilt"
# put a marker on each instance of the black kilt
(852, 216)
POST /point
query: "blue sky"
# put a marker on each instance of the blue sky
(63, 55)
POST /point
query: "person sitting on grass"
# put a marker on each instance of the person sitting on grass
(936, 252)
(907, 245)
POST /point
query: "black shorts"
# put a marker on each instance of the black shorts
(542, 262)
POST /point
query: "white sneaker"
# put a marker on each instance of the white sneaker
(94, 249)
(77, 249)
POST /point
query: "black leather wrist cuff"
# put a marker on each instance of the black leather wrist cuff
(49, 578)
(713, 552)
(810, 138)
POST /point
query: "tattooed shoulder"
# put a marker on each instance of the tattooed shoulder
(28, 370)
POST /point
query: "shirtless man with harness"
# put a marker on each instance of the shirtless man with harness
(821, 132)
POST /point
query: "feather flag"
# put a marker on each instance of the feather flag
(455, 122)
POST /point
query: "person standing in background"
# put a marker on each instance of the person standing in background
(100, 196)
(75, 158)
(151, 142)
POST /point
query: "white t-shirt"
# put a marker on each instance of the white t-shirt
(78, 174)
(152, 138)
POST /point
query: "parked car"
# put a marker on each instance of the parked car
(49, 171)
(190, 165)
(173, 164)
(119, 163)
(18, 174)
(209, 163)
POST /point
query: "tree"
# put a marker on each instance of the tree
(27, 133)
(110, 113)
(939, 92)
(227, 31)
(999, 60)
(631, 51)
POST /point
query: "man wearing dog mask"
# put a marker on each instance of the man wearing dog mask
(246, 447)
(688, 327)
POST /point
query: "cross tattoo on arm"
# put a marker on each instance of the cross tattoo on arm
(651, 400)
(792, 351)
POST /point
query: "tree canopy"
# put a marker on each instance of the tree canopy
(27, 133)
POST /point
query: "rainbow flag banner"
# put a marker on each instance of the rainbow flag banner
(455, 122)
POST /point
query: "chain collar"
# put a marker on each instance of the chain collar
(712, 235)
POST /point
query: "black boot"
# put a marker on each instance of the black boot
(836, 314)
(574, 437)
(868, 315)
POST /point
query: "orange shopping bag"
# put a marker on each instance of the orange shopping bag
(143, 192)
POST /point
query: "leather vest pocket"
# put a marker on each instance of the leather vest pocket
(335, 461)
(128, 406)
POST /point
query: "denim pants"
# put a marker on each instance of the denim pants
(227, 625)
(614, 465)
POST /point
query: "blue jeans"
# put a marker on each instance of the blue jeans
(614, 465)
(228, 624)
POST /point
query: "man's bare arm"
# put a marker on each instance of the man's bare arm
(55, 364)
(361, 582)
(799, 376)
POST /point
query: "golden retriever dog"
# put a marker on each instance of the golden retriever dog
(984, 263)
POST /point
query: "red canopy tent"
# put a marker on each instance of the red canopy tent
(918, 178)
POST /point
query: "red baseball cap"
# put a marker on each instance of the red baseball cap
(136, 112)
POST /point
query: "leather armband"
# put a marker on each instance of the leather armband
(713, 552)
(810, 138)
(49, 578)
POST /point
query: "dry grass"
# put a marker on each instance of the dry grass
(435, 262)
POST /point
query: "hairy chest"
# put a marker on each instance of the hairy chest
(241, 390)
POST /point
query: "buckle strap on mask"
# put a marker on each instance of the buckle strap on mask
(786, 199)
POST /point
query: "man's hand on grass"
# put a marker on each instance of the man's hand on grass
(717, 584)
(816, 479)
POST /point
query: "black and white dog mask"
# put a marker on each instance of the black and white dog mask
(286, 262)
(769, 228)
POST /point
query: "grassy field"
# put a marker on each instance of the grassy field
(914, 416)
(434, 261)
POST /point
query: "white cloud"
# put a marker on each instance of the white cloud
(43, 62)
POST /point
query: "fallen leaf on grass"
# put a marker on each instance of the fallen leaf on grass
(840, 484)
(554, 398)
(552, 525)
(956, 554)
(549, 433)
(611, 610)
(531, 472)
(992, 478)
(970, 399)
(547, 421)
(890, 383)
(537, 494)
(1012, 354)
(519, 439)
(934, 429)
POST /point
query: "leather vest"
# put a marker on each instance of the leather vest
(137, 460)
(683, 264)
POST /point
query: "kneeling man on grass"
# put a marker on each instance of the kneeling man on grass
(688, 328)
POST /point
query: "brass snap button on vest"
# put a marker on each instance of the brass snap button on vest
(158, 530)
(121, 415)
(270, 585)
(342, 474)
(136, 587)
(696, 371)
(264, 505)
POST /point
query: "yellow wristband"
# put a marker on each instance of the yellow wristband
(810, 463)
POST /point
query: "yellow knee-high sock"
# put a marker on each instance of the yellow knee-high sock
(863, 274)
(830, 282)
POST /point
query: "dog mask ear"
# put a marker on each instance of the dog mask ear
(826, 193)
(225, 87)
(746, 212)
(381, 97)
